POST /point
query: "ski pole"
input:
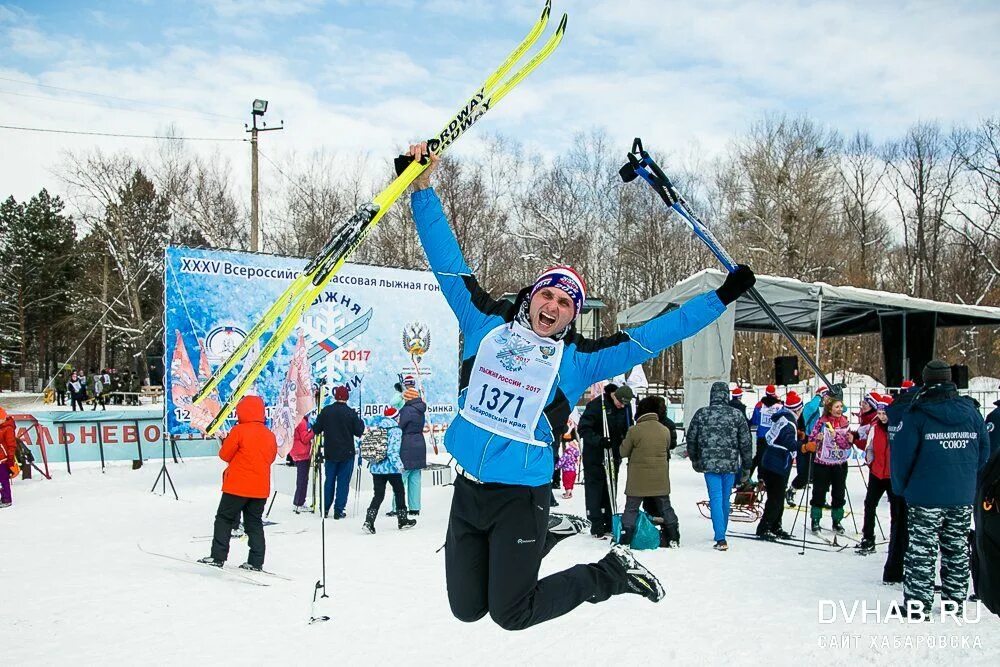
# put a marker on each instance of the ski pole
(805, 494)
(641, 164)
(321, 583)
(850, 506)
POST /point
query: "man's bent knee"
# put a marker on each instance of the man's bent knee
(467, 614)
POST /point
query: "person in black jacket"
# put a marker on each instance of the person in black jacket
(736, 401)
(339, 424)
(614, 405)
(993, 427)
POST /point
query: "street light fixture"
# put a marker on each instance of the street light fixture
(259, 107)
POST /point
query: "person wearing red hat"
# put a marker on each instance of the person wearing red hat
(873, 439)
(736, 400)
(830, 439)
(782, 444)
(760, 421)
(340, 425)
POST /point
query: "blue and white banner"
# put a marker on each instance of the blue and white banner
(369, 326)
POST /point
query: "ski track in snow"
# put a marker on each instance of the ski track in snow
(76, 589)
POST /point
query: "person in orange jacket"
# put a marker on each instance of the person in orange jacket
(250, 450)
(8, 447)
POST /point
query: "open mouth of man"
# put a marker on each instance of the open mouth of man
(546, 320)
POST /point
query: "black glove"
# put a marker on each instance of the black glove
(736, 284)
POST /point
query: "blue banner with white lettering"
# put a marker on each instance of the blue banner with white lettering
(370, 327)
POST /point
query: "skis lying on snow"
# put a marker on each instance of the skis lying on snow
(814, 546)
(304, 290)
(247, 576)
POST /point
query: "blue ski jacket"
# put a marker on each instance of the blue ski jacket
(493, 458)
(812, 411)
(938, 443)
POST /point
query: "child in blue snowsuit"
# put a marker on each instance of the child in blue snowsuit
(523, 369)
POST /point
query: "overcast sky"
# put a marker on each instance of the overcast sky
(369, 76)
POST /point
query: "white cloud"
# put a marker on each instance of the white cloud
(679, 75)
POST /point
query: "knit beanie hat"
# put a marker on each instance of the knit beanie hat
(793, 401)
(770, 390)
(907, 384)
(341, 393)
(566, 279)
(738, 392)
(936, 371)
(390, 412)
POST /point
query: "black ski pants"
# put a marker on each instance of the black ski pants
(774, 507)
(802, 462)
(596, 498)
(495, 544)
(899, 539)
(829, 478)
(227, 517)
(394, 480)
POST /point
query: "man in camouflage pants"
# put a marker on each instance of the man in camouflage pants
(938, 443)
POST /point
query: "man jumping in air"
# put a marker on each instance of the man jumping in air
(524, 367)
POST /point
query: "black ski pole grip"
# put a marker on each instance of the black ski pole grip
(627, 172)
(403, 161)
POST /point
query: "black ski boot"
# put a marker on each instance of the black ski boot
(790, 497)
(782, 534)
(402, 516)
(251, 567)
(639, 579)
(814, 526)
(369, 525)
(866, 546)
(208, 560)
(837, 528)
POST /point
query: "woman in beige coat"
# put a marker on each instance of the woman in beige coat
(647, 448)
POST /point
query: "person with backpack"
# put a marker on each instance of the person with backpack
(340, 425)
(249, 450)
(811, 412)
(938, 444)
(782, 440)
(647, 448)
(8, 457)
(386, 467)
(412, 418)
(720, 447)
(301, 455)
(524, 368)
(830, 440)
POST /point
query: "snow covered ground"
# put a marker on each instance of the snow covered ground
(76, 589)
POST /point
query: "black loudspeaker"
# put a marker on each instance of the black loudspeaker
(960, 376)
(786, 370)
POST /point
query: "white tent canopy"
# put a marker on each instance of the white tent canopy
(838, 311)
(815, 309)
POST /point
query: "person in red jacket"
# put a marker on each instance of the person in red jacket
(249, 449)
(873, 438)
(8, 447)
(301, 454)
